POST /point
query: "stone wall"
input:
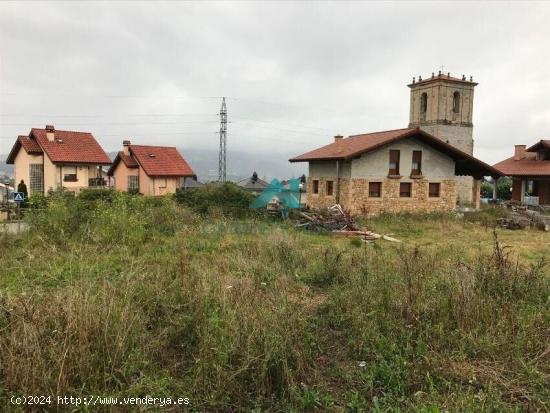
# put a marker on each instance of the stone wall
(354, 196)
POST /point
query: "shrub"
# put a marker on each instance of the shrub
(228, 198)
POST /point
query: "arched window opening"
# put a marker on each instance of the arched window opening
(456, 102)
(424, 103)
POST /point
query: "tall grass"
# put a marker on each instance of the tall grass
(153, 302)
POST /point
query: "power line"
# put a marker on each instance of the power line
(104, 115)
(118, 123)
(280, 123)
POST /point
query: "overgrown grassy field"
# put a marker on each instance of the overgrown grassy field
(122, 295)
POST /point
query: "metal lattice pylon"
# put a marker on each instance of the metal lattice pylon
(223, 143)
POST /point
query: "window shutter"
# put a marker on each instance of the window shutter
(417, 163)
(394, 162)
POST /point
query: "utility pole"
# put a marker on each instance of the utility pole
(223, 142)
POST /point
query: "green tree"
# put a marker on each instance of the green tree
(504, 186)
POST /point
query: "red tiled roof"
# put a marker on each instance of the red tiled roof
(30, 145)
(71, 147)
(356, 145)
(442, 77)
(128, 160)
(527, 166)
(542, 144)
(161, 160)
(27, 143)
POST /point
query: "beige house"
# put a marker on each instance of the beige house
(49, 159)
(149, 170)
(403, 170)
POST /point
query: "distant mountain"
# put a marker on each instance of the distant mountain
(5, 169)
(240, 165)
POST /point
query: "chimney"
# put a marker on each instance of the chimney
(519, 152)
(50, 132)
(126, 146)
(338, 139)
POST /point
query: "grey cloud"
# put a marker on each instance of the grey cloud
(295, 73)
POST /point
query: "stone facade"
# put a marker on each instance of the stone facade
(448, 116)
(354, 195)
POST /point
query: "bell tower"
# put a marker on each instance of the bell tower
(442, 105)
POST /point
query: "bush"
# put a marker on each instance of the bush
(227, 198)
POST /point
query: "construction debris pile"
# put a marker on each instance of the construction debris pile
(338, 222)
(523, 217)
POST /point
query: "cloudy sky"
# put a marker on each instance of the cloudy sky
(294, 74)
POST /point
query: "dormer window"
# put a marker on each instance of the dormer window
(456, 102)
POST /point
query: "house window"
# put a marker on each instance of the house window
(456, 102)
(133, 183)
(424, 103)
(36, 175)
(375, 189)
(315, 186)
(416, 169)
(394, 162)
(434, 190)
(405, 189)
(69, 174)
(330, 188)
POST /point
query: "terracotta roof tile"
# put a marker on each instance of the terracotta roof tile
(161, 160)
(356, 145)
(527, 166)
(542, 144)
(30, 145)
(128, 160)
(71, 147)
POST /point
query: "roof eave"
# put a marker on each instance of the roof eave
(424, 82)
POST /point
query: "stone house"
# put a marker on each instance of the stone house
(149, 170)
(529, 169)
(49, 159)
(395, 171)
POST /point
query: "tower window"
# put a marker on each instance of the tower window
(424, 103)
(456, 102)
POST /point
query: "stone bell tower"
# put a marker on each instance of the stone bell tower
(442, 105)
